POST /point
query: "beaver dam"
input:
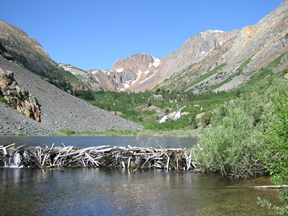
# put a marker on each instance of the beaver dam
(99, 156)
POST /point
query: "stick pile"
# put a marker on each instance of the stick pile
(99, 156)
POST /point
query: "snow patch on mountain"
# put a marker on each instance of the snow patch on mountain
(120, 70)
(156, 62)
(138, 76)
(211, 31)
(146, 79)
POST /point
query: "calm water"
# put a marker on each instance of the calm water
(102, 191)
(87, 141)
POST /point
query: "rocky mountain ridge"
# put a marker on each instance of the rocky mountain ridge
(194, 50)
(254, 53)
(124, 75)
(211, 60)
(142, 71)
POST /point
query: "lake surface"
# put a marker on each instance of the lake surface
(103, 191)
(87, 141)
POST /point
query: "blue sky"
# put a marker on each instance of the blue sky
(93, 34)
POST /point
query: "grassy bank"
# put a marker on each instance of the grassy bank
(142, 133)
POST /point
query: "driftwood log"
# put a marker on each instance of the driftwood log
(99, 156)
(271, 187)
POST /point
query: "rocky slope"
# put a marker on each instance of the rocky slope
(59, 109)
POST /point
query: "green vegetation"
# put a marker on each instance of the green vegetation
(5, 89)
(230, 146)
(264, 73)
(111, 132)
(68, 131)
(61, 84)
(39, 88)
(142, 133)
(3, 100)
(249, 137)
(21, 134)
(176, 79)
(276, 149)
(205, 76)
(238, 73)
(129, 104)
(244, 132)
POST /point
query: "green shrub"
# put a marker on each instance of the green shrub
(206, 118)
(3, 100)
(5, 89)
(275, 154)
(68, 131)
(89, 95)
(167, 111)
(234, 143)
(21, 134)
(39, 88)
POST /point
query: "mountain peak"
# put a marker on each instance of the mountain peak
(141, 61)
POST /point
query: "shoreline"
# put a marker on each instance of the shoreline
(140, 133)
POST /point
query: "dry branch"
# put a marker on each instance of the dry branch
(99, 156)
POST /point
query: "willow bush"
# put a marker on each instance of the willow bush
(276, 148)
(249, 136)
(234, 144)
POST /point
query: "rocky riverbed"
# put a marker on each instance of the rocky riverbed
(60, 110)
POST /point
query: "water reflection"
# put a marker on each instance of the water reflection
(122, 192)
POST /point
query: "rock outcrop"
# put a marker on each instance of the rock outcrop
(17, 97)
